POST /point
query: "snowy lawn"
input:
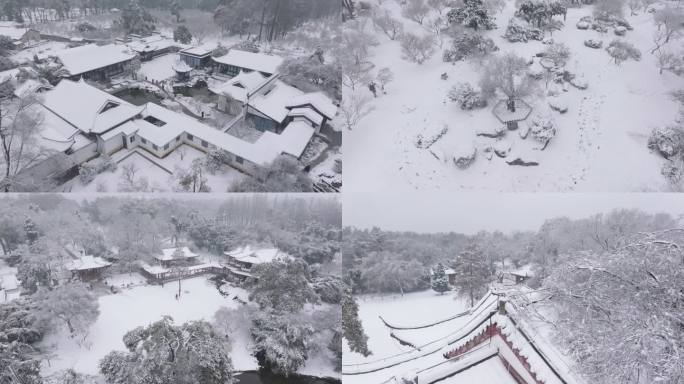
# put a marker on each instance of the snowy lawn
(600, 143)
(159, 68)
(159, 179)
(140, 306)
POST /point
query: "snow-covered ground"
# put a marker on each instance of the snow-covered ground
(600, 143)
(159, 178)
(139, 306)
(409, 309)
(159, 68)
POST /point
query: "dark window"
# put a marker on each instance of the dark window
(155, 121)
(132, 139)
(205, 144)
(190, 137)
(155, 147)
(178, 138)
(239, 160)
(166, 147)
(143, 141)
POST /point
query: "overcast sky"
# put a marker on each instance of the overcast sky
(470, 212)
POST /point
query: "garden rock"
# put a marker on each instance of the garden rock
(591, 43)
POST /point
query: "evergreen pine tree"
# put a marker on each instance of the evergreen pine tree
(352, 328)
(473, 270)
(440, 283)
(473, 14)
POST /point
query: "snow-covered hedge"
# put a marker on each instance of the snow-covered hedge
(668, 141)
(88, 171)
(467, 97)
(542, 128)
(520, 31)
(467, 45)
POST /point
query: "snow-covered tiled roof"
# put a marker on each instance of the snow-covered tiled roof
(152, 43)
(90, 57)
(201, 50)
(88, 262)
(55, 133)
(252, 61)
(247, 254)
(80, 104)
(169, 254)
(293, 140)
(241, 86)
(272, 101)
(318, 100)
(308, 113)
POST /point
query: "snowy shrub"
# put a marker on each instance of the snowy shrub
(540, 13)
(464, 156)
(426, 142)
(329, 289)
(591, 43)
(558, 53)
(520, 31)
(468, 45)
(668, 141)
(668, 61)
(416, 48)
(216, 159)
(502, 148)
(673, 170)
(280, 342)
(621, 50)
(88, 171)
(472, 14)
(620, 30)
(583, 24)
(390, 26)
(85, 27)
(542, 128)
(466, 96)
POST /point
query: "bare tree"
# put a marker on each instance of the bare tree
(354, 108)
(20, 122)
(388, 25)
(416, 10)
(668, 61)
(670, 23)
(507, 73)
(416, 48)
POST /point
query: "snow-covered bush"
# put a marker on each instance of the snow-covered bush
(502, 148)
(542, 128)
(521, 31)
(466, 96)
(621, 50)
(468, 45)
(216, 159)
(88, 171)
(668, 141)
(423, 142)
(472, 14)
(465, 158)
(668, 61)
(558, 53)
(540, 13)
(673, 170)
(390, 26)
(620, 30)
(584, 23)
(417, 49)
(595, 44)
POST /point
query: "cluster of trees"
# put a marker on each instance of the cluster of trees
(619, 307)
(35, 229)
(269, 20)
(377, 261)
